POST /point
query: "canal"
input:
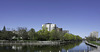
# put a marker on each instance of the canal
(68, 47)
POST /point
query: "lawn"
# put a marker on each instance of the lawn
(94, 42)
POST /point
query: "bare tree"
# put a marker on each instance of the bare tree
(22, 32)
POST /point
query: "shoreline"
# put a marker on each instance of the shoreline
(98, 47)
(24, 42)
(30, 43)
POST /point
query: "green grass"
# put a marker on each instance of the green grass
(94, 42)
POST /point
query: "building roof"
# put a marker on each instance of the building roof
(48, 23)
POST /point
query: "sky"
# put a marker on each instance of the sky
(80, 17)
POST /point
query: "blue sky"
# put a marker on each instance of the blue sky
(80, 17)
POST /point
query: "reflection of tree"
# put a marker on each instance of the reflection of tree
(71, 45)
(16, 47)
(6, 48)
(52, 48)
(44, 48)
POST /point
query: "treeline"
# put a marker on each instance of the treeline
(92, 38)
(43, 34)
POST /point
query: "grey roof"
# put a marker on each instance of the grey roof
(48, 23)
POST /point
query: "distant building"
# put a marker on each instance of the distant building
(94, 34)
(65, 31)
(49, 26)
(58, 29)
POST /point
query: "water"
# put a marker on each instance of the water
(69, 47)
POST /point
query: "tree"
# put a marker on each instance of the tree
(7, 35)
(98, 38)
(71, 37)
(74, 37)
(1, 34)
(78, 38)
(68, 36)
(4, 29)
(91, 38)
(22, 32)
(43, 34)
(54, 35)
(31, 33)
(60, 35)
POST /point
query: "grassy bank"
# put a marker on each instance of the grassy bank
(94, 42)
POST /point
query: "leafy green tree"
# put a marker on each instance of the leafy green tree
(31, 33)
(1, 35)
(98, 38)
(60, 35)
(74, 37)
(54, 35)
(71, 37)
(43, 34)
(7, 35)
(91, 38)
(68, 36)
(78, 38)
(36, 36)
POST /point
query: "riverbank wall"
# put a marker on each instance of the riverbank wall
(30, 42)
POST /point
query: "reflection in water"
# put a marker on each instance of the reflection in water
(68, 47)
(16, 47)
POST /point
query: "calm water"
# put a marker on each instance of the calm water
(69, 47)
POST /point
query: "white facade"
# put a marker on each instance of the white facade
(49, 26)
(94, 34)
